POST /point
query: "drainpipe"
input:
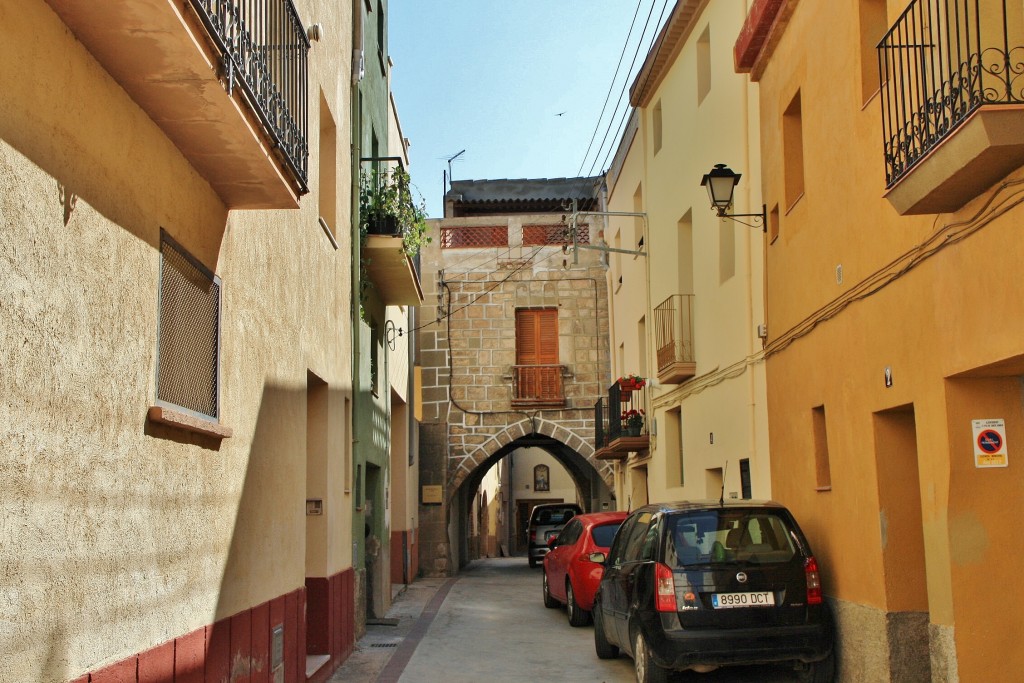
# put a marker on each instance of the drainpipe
(748, 243)
(356, 148)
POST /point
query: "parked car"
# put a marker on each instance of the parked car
(700, 585)
(546, 520)
(570, 576)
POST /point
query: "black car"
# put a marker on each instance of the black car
(700, 585)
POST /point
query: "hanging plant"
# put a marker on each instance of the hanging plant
(386, 207)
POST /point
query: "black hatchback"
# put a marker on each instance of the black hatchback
(700, 585)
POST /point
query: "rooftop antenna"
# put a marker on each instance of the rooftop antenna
(450, 160)
(721, 498)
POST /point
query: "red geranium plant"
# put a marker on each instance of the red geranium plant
(630, 382)
(633, 418)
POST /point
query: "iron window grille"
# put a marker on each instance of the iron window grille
(188, 337)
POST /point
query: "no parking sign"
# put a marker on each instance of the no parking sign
(989, 443)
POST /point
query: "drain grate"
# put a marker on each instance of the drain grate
(384, 645)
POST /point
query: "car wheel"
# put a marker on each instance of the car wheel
(819, 672)
(548, 600)
(577, 616)
(647, 671)
(533, 562)
(605, 650)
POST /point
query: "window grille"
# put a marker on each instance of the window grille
(541, 235)
(459, 237)
(189, 334)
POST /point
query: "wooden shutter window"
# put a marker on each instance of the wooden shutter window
(537, 346)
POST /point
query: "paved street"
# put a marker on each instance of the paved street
(489, 623)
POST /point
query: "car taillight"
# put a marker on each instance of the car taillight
(665, 591)
(533, 536)
(813, 581)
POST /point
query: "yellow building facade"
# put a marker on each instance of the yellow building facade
(687, 305)
(891, 138)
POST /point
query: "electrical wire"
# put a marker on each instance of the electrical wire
(941, 238)
(611, 87)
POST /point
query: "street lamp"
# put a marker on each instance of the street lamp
(721, 182)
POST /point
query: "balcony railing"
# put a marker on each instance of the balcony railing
(673, 337)
(614, 435)
(534, 385)
(940, 62)
(263, 48)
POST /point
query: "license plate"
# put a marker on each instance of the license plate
(727, 600)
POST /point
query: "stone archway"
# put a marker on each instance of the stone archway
(470, 448)
(473, 449)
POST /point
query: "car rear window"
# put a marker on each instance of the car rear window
(553, 516)
(727, 536)
(604, 534)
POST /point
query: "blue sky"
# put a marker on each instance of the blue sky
(491, 78)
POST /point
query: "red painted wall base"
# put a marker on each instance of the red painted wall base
(239, 649)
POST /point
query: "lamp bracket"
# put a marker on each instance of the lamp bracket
(759, 220)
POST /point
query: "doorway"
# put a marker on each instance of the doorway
(902, 529)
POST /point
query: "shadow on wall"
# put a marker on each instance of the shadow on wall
(71, 119)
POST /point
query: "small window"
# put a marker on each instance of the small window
(188, 338)
(793, 151)
(873, 27)
(745, 478)
(656, 125)
(375, 352)
(823, 473)
(704, 65)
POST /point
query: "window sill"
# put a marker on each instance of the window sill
(822, 489)
(188, 422)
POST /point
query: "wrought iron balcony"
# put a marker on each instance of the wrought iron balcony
(538, 385)
(620, 423)
(952, 86)
(673, 337)
(226, 80)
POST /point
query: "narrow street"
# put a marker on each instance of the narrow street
(489, 623)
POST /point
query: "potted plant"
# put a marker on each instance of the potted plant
(633, 421)
(386, 207)
(628, 383)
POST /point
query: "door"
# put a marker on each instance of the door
(537, 346)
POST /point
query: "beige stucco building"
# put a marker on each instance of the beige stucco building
(687, 304)
(175, 250)
(895, 345)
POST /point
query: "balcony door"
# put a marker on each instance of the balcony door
(538, 373)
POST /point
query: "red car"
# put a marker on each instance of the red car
(570, 578)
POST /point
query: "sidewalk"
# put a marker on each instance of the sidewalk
(395, 637)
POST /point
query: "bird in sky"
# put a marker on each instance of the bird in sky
(559, 113)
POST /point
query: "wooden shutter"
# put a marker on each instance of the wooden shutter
(537, 344)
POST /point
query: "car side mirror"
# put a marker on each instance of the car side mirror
(553, 542)
(598, 558)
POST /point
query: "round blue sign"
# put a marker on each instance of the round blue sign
(990, 441)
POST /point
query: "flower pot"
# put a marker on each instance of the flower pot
(634, 431)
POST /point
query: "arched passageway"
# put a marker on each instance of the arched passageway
(592, 478)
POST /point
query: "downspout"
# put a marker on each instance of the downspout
(356, 146)
(751, 384)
